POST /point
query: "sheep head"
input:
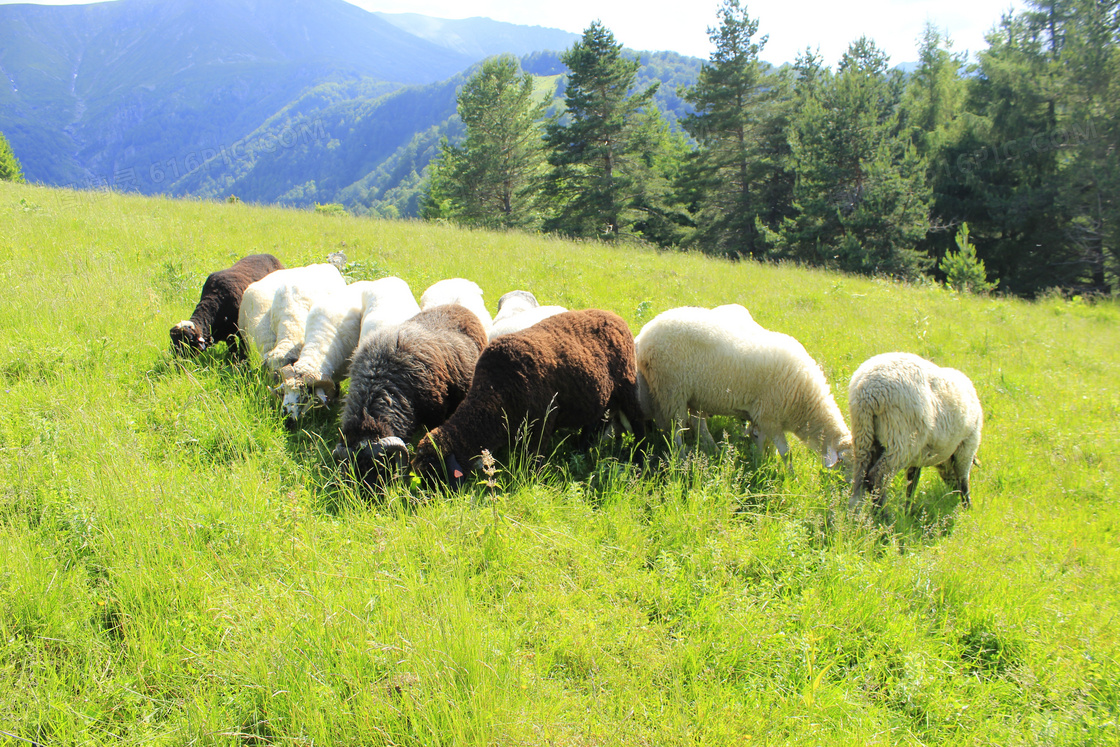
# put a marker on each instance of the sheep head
(374, 462)
(300, 393)
(435, 467)
(839, 454)
(187, 338)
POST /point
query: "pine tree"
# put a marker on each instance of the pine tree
(932, 109)
(598, 182)
(491, 179)
(1007, 172)
(861, 201)
(10, 169)
(1089, 139)
(734, 105)
(964, 272)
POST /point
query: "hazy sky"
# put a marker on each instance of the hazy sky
(829, 25)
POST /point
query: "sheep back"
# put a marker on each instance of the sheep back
(564, 372)
(522, 320)
(215, 316)
(457, 291)
(725, 363)
(386, 302)
(515, 302)
(909, 413)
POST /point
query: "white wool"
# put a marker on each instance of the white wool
(385, 303)
(335, 327)
(921, 414)
(457, 290)
(504, 325)
(275, 317)
(722, 362)
(515, 302)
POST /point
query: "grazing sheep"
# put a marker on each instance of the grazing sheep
(518, 310)
(523, 320)
(910, 413)
(274, 310)
(734, 314)
(215, 317)
(722, 362)
(457, 290)
(403, 379)
(566, 371)
(515, 302)
(386, 302)
(330, 336)
(333, 331)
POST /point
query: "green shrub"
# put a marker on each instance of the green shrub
(965, 273)
(10, 169)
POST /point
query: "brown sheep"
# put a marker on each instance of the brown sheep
(215, 317)
(403, 379)
(566, 371)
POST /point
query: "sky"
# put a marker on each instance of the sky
(824, 25)
(830, 25)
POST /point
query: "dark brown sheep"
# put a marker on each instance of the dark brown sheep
(405, 379)
(215, 317)
(566, 371)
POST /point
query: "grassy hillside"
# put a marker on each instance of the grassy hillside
(176, 568)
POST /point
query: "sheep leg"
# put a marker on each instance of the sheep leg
(912, 476)
(670, 417)
(951, 473)
(881, 474)
(859, 484)
(966, 498)
(963, 459)
(703, 436)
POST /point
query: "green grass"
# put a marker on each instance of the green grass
(176, 568)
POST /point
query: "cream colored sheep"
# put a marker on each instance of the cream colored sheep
(909, 413)
(385, 303)
(335, 326)
(460, 291)
(273, 313)
(721, 362)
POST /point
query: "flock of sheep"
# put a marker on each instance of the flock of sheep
(443, 371)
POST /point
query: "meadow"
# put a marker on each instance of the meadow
(177, 568)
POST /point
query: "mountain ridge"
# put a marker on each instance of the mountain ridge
(318, 100)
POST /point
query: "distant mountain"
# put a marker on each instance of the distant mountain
(93, 91)
(289, 101)
(338, 143)
(479, 38)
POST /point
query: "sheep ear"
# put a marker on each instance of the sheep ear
(287, 375)
(454, 469)
(328, 387)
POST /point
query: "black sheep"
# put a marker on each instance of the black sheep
(566, 371)
(405, 379)
(215, 317)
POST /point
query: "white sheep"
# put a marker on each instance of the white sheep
(518, 310)
(335, 326)
(457, 290)
(515, 302)
(524, 320)
(910, 413)
(385, 303)
(273, 313)
(709, 362)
